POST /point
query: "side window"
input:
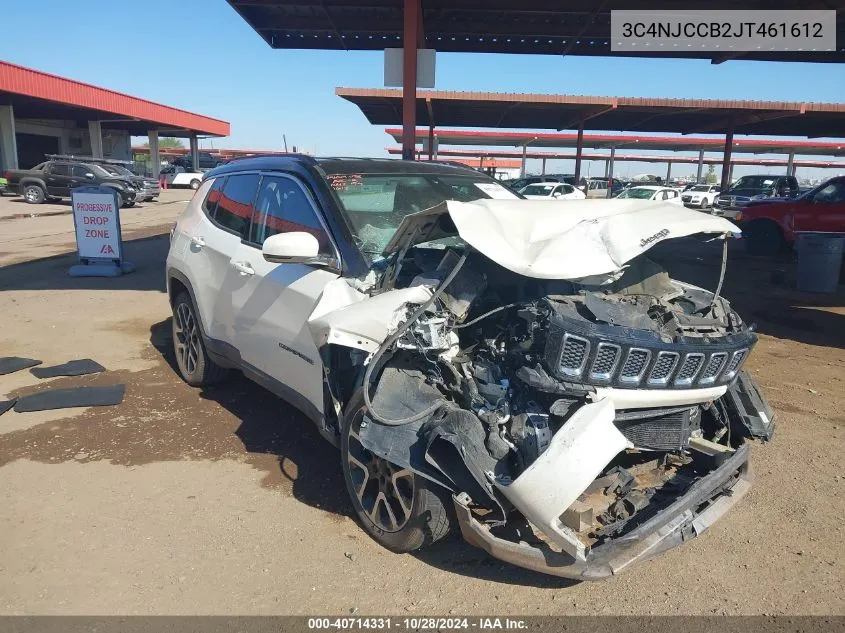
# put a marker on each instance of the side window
(568, 188)
(209, 205)
(283, 207)
(60, 169)
(833, 193)
(79, 171)
(234, 207)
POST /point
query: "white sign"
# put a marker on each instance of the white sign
(95, 214)
(394, 64)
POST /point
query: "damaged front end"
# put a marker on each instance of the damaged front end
(580, 424)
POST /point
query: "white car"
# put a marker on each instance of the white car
(177, 176)
(701, 196)
(552, 190)
(532, 369)
(651, 192)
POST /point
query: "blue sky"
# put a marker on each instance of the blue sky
(201, 56)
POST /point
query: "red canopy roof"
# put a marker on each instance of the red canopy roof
(36, 94)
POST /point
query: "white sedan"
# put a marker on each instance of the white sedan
(652, 192)
(552, 190)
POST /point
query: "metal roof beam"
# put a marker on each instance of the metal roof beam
(749, 119)
(591, 114)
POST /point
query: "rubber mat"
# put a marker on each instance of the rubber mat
(5, 405)
(8, 364)
(70, 368)
(73, 397)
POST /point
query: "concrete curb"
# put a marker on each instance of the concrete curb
(45, 214)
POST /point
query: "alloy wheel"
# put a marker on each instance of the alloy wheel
(186, 338)
(384, 491)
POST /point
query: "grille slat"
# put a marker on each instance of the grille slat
(663, 368)
(689, 369)
(607, 356)
(714, 366)
(735, 363)
(574, 355)
(635, 365)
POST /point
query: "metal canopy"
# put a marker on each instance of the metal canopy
(560, 112)
(494, 138)
(489, 158)
(38, 95)
(551, 27)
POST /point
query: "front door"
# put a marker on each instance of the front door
(58, 180)
(272, 303)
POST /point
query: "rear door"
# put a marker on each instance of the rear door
(228, 207)
(272, 303)
(57, 178)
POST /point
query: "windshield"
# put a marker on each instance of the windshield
(639, 193)
(704, 188)
(375, 204)
(111, 170)
(537, 190)
(755, 182)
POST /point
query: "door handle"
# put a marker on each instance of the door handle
(243, 268)
(197, 241)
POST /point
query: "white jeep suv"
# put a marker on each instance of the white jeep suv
(524, 371)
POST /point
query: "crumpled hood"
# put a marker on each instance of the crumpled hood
(558, 240)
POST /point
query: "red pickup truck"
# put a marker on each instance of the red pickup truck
(770, 226)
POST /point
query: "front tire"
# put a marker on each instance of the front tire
(195, 367)
(34, 194)
(195, 184)
(399, 509)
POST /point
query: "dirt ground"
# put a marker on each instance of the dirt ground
(226, 501)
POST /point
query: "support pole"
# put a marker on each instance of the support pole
(430, 142)
(790, 165)
(522, 166)
(95, 132)
(700, 165)
(726, 159)
(155, 157)
(731, 174)
(578, 150)
(8, 141)
(195, 153)
(668, 171)
(606, 168)
(543, 173)
(411, 23)
(610, 172)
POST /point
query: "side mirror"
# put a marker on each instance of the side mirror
(297, 247)
(89, 175)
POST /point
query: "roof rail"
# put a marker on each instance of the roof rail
(88, 159)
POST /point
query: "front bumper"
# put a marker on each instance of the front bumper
(689, 516)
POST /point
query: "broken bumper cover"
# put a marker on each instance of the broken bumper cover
(683, 520)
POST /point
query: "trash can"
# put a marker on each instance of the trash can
(819, 261)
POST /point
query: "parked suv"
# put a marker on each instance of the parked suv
(751, 189)
(57, 178)
(527, 365)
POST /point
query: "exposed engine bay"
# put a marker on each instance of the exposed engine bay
(563, 415)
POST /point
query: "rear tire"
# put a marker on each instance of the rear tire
(34, 194)
(195, 367)
(399, 509)
(762, 238)
(195, 184)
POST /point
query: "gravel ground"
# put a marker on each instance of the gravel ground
(226, 501)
